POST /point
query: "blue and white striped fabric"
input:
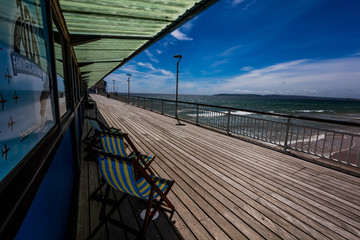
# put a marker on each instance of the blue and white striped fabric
(120, 175)
(95, 125)
(115, 144)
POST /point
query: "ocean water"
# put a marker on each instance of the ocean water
(340, 142)
(329, 108)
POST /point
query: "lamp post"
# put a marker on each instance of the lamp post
(129, 75)
(177, 84)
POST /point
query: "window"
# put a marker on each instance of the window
(60, 75)
(26, 96)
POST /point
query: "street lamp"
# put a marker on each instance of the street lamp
(177, 84)
(129, 75)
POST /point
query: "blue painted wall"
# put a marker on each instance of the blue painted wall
(48, 215)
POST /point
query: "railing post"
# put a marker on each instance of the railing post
(287, 133)
(228, 122)
(144, 104)
(162, 107)
(151, 104)
(197, 114)
(176, 109)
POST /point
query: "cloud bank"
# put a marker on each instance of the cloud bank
(331, 77)
(181, 33)
(180, 36)
(310, 77)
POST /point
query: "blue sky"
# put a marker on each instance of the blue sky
(303, 47)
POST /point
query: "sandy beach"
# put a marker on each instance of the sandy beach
(338, 147)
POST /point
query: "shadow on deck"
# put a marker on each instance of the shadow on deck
(130, 210)
(225, 188)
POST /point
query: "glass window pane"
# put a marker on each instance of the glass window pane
(60, 71)
(26, 98)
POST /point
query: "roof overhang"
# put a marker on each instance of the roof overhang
(106, 34)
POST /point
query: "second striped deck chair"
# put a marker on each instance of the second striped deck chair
(119, 173)
(97, 125)
(115, 144)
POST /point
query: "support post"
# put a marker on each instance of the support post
(287, 133)
(162, 107)
(228, 122)
(197, 114)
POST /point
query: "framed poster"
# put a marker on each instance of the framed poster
(26, 102)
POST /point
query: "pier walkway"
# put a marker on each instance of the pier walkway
(227, 188)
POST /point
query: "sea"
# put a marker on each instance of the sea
(328, 139)
(327, 108)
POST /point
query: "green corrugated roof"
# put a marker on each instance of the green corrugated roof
(106, 34)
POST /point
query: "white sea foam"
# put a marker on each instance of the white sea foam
(241, 113)
(219, 114)
(209, 114)
(309, 111)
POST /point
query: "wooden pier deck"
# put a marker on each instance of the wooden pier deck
(227, 188)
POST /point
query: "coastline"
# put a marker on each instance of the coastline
(329, 147)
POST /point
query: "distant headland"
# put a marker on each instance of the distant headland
(278, 96)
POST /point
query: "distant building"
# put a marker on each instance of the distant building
(99, 87)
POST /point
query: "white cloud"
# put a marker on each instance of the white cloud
(180, 36)
(158, 51)
(218, 63)
(356, 54)
(189, 25)
(148, 79)
(166, 72)
(242, 91)
(151, 56)
(229, 51)
(245, 69)
(154, 70)
(332, 77)
(237, 2)
(146, 65)
(309, 77)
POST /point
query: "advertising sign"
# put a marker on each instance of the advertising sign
(26, 106)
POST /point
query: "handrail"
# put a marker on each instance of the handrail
(329, 141)
(333, 121)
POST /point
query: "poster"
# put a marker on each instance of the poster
(26, 106)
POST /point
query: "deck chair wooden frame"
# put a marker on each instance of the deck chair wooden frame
(97, 125)
(114, 143)
(119, 173)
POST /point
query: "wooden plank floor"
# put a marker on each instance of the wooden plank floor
(230, 189)
(89, 207)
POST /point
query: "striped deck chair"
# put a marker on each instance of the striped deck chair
(115, 144)
(97, 125)
(119, 173)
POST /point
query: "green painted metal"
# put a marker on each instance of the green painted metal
(108, 33)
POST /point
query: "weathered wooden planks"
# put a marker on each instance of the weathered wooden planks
(89, 210)
(228, 188)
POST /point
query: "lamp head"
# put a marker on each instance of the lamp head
(128, 74)
(178, 56)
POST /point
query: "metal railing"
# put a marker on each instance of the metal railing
(331, 139)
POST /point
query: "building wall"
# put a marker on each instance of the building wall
(40, 123)
(48, 215)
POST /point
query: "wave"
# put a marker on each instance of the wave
(208, 114)
(310, 111)
(219, 114)
(241, 113)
